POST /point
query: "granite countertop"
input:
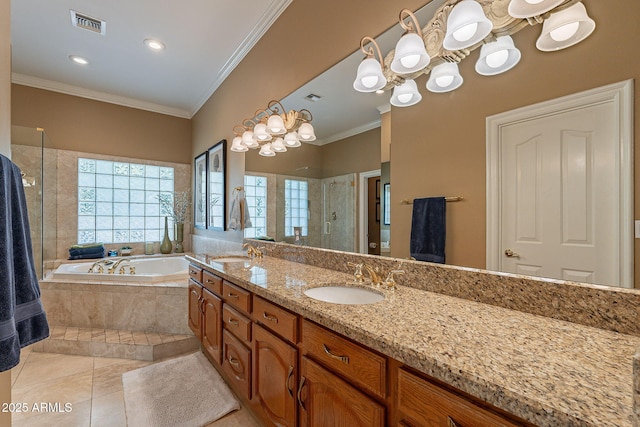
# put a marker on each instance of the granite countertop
(549, 372)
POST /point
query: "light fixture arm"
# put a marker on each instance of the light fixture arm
(370, 52)
(413, 25)
(275, 107)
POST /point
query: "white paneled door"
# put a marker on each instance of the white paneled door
(561, 184)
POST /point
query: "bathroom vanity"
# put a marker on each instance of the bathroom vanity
(416, 358)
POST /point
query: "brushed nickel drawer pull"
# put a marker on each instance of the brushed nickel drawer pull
(233, 362)
(233, 322)
(269, 317)
(232, 296)
(452, 423)
(289, 376)
(300, 401)
(344, 359)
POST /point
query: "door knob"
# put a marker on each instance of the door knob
(509, 253)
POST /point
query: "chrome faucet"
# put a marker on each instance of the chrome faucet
(252, 251)
(100, 265)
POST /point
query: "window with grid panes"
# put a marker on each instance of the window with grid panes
(119, 202)
(255, 189)
(296, 206)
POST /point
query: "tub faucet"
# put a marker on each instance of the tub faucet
(99, 264)
(112, 269)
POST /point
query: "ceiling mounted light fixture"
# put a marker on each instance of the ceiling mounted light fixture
(273, 130)
(78, 59)
(457, 28)
(565, 28)
(497, 57)
(154, 44)
(467, 25)
(370, 77)
(410, 54)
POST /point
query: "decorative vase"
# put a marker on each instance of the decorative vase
(179, 237)
(166, 246)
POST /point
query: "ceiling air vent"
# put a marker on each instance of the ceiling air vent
(88, 23)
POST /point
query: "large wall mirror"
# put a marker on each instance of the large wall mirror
(350, 142)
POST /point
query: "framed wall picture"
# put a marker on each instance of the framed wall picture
(217, 172)
(200, 191)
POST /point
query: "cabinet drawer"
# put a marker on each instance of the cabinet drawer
(276, 318)
(236, 296)
(212, 282)
(195, 273)
(237, 364)
(236, 323)
(421, 402)
(358, 364)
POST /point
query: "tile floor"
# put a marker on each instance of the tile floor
(92, 385)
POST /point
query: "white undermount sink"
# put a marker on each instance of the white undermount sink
(344, 295)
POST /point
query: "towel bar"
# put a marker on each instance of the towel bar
(448, 199)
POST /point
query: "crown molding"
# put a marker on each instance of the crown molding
(124, 101)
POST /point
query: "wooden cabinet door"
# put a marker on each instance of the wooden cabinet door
(274, 377)
(328, 401)
(212, 325)
(236, 362)
(195, 315)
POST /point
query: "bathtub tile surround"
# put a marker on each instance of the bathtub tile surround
(518, 352)
(67, 224)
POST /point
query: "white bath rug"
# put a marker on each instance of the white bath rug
(186, 391)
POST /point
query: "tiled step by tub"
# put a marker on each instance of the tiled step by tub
(123, 344)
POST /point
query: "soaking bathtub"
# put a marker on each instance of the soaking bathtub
(150, 270)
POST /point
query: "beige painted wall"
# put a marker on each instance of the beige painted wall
(358, 153)
(79, 124)
(5, 149)
(440, 143)
(280, 63)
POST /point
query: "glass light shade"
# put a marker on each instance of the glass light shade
(238, 146)
(497, 57)
(410, 54)
(466, 26)
(530, 8)
(275, 125)
(560, 31)
(278, 145)
(260, 132)
(247, 139)
(406, 94)
(370, 77)
(444, 78)
(291, 140)
(266, 150)
(306, 132)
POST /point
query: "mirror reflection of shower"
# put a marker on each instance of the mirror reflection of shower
(339, 219)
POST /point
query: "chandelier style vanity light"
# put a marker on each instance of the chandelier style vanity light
(273, 130)
(457, 28)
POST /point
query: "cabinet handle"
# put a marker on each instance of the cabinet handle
(202, 302)
(289, 376)
(344, 359)
(269, 317)
(452, 423)
(233, 362)
(208, 281)
(233, 322)
(232, 296)
(300, 401)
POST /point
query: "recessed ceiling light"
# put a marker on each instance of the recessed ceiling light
(154, 44)
(313, 97)
(78, 59)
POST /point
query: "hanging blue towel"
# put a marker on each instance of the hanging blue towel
(428, 229)
(22, 317)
